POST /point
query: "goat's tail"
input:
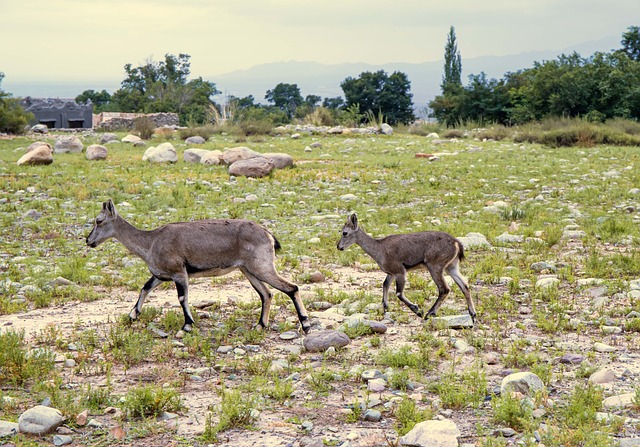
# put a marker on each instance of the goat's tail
(460, 251)
(276, 243)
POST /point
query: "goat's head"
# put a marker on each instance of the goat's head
(348, 232)
(103, 227)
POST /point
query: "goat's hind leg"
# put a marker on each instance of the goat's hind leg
(464, 287)
(265, 297)
(278, 282)
(146, 289)
(385, 292)
(443, 291)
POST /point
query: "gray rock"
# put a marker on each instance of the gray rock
(506, 238)
(131, 139)
(211, 158)
(40, 128)
(62, 440)
(40, 420)
(386, 129)
(524, 382)
(541, 266)
(572, 359)
(601, 347)
(321, 341)
(68, 144)
(372, 415)
(442, 433)
(280, 160)
(547, 282)
(230, 156)
(455, 321)
(602, 376)
(370, 374)
(253, 167)
(628, 442)
(163, 153)
(96, 152)
(289, 335)
(194, 155)
(106, 137)
(619, 401)
(8, 429)
(474, 240)
(196, 139)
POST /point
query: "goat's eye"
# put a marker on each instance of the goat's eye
(344, 233)
(99, 221)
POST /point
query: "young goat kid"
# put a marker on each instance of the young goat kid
(177, 251)
(439, 252)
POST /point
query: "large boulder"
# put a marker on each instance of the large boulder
(163, 153)
(68, 144)
(252, 167)
(40, 128)
(8, 429)
(280, 160)
(211, 157)
(106, 137)
(39, 420)
(196, 139)
(526, 383)
(96, 152)
(230, 156)
(442, 433)
(37, 144)
(194, 155)
(322, 340)
(40, 155)
(131, 139)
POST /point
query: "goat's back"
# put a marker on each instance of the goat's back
(215, 242)
(416, 248)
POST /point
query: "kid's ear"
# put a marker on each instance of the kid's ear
(353, 219)
(110, 208)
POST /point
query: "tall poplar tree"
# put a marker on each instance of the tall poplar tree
(452, 63)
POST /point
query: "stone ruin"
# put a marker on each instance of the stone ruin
(113, 121)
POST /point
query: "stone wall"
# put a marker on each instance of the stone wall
(111, 121)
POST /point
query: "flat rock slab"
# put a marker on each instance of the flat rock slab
(8, 429)
(322, 340)
(456, 321)
(432, 434)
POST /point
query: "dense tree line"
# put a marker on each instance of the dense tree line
(602, 86)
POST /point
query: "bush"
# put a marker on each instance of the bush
(205, 132)
(144, 127)
(321, 116)
(13, 118)
(17, 365)
(496, 133)
(151, 400)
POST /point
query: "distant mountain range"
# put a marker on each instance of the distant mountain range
(324, 80)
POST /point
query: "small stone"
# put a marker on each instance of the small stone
(40, 420)
(62, 440)
(601, 347)
(372, 415)
(602, 376)
(82, 418)
(289, 335)
(572, 359)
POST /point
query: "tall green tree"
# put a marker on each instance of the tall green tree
(452, 76)
(99, 99)
(379, 93)
(631, 43)
(163, 86)
(286, 97)
(13, 118)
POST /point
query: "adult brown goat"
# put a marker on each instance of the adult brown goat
(213, 247)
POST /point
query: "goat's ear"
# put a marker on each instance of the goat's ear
(353, 220)
(110, 208)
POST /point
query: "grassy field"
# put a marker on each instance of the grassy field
(486, 187)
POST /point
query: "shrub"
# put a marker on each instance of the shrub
(13, 118)
(144, 127)
(453, 133)
(321, 116)
(235, 410)
(201, 131)
(151, 400)
(17, 365)
(513, 412)
(408, 415)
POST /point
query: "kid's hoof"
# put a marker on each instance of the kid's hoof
(186, 328)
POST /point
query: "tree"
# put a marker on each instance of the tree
(98, 99)
(13, 118)
(631, 43)
(378, 93)
(286, 97)
(333, 103)
(452, 63)
(163, 87)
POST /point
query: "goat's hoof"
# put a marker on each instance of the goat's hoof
(429, 315)
(187, 328)
(133, 315)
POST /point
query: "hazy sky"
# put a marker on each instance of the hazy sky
(80, 40)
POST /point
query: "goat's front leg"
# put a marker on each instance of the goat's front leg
(443, 291)
(385, 292)
(182, 286)
(400, 281)
(146, 289)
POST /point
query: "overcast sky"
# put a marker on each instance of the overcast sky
(84, 40)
